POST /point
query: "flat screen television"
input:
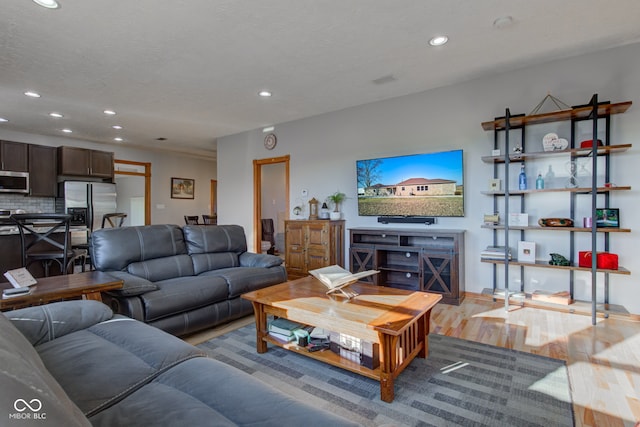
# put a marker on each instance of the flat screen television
(417, 185)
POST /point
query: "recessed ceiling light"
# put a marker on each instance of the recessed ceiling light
(49, 4)
(265, 93)
(110, 112)
(438, 40)
(268, 129)
(67, 130)
(116, 127)
(118, 139)
(56, 115)
(3, 120)
(32, 94)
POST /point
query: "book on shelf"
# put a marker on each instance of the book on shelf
(336, 278)
(281, 337)
(495, 252)
(284, 327)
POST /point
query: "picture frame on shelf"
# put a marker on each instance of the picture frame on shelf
(526, 251)
(495, 184)
(182, 188)
(519, 219)
(608, 217)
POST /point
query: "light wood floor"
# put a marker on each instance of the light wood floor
(603, 360)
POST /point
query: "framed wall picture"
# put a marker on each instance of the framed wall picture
(607, 217)
(182, 188)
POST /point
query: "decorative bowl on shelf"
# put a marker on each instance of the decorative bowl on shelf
(555, 222)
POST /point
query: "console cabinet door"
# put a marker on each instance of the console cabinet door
(14, 156)
(295, 249)
(312, 244)
(42, 170)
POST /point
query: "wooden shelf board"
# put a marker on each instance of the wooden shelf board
(558, 190)
(576, 152)
(577, 229)
(545, 264)
(556, 116)
(577, 306)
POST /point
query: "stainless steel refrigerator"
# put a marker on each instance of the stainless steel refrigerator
(87, 202)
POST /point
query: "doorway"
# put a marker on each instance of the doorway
(270, 198)
(133, 183)
(213, 197)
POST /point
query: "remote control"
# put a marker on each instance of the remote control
(16, 291)
(315, 347)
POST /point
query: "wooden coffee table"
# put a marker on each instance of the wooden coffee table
(88, 285)
(396, 319)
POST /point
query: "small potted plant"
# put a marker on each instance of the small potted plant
(336, 198)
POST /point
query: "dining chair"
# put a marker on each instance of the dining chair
(114, 220)
(42, 246)
(191, 220)
(210, 219)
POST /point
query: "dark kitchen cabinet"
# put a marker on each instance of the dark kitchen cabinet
(42, 170)
(74, 161)
(14, 156)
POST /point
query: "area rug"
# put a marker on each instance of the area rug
(460, 383)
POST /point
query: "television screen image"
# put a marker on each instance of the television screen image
(429, 184)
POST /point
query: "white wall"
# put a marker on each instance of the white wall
(163, 166)
(324, 149)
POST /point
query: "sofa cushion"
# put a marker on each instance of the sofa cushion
(116, 248)
(214, 261)
(47, 322)
(202, 239)
(183, 294)
(206, 392)
(99, 365)
(162, 268)
(250, 259)
(27, 388)
(244, 279)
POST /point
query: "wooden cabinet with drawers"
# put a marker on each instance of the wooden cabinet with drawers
(311, 244)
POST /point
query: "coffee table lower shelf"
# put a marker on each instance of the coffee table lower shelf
(329, 357)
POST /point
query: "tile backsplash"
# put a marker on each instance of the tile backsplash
(29, 204)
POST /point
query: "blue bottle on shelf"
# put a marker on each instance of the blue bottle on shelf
(539, 182)
(522, 179)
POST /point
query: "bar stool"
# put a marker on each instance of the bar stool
(43, 247)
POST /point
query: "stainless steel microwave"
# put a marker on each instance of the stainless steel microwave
(14, 182)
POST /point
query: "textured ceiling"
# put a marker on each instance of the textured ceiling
(190, 70)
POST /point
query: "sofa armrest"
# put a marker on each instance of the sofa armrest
(133, 285)
(250, 259)
(44, 323)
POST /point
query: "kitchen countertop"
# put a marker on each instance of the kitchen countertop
(13, 229)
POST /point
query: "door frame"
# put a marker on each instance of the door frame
(147, 183)
(257, 193)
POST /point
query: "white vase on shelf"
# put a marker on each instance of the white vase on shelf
(333, 215)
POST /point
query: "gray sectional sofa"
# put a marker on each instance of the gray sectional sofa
(182, 280)
(74, 363)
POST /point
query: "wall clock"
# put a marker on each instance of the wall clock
(270, 141)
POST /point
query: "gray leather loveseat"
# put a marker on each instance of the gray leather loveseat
(74, 363)
(182, 280)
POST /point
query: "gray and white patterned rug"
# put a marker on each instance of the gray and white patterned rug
(460, 383)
